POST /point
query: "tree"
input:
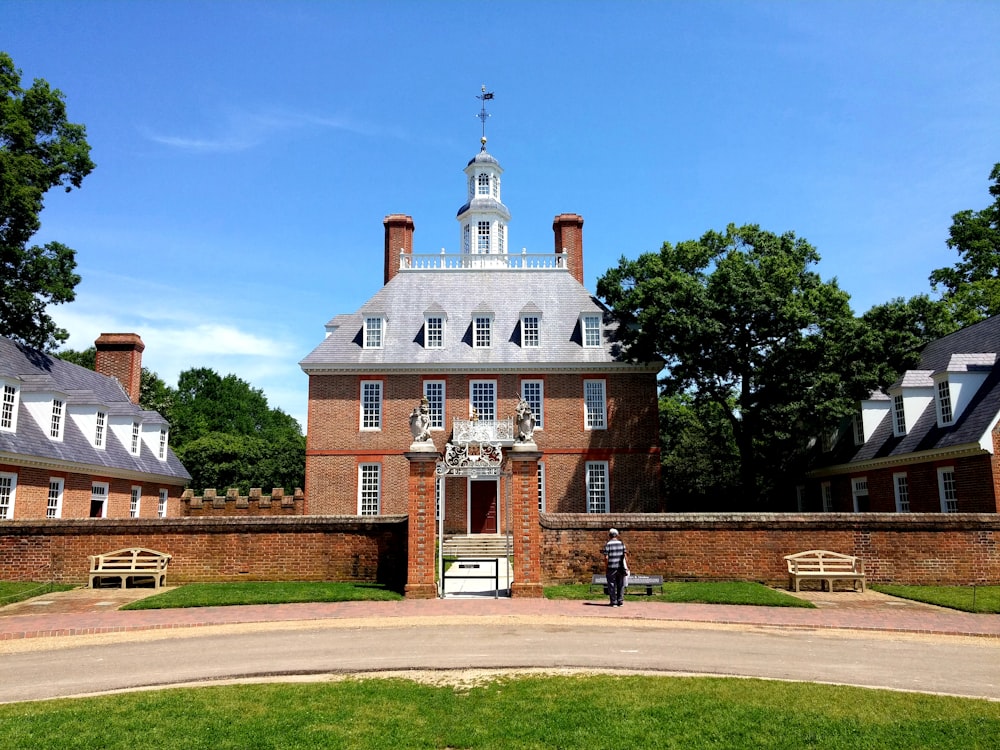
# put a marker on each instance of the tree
(972, 286)
(154, 394)
(39, 150)
(743, 324)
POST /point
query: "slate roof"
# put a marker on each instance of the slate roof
(554, 294)
(40, 372)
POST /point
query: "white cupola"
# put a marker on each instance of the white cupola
(483, 218)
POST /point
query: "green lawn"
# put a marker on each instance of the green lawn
(17, 591)
(984, 599)
(726, 592)
(228, 594)
(592, 712)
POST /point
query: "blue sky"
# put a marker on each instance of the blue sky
(247, 152)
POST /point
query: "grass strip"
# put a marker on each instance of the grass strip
(264, 592)
(725, 592)
(981, 599)
(594, 712)
(17, 591)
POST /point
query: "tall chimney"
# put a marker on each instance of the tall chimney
(120, 356)
(568, 229)
(398, 236)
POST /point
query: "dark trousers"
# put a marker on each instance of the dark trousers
(616, 585)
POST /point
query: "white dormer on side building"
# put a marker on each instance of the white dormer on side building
(48, 410)
(956, 386)
(90, 417)
(155, 433)
(911, 395)
(873, 411)
(128, 429)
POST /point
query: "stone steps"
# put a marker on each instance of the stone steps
(475, 545)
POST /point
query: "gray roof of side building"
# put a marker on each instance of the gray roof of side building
(40, 372)
(555, 295)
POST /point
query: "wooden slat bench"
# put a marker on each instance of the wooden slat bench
(826, 567)
(133, 562)
(635, 582)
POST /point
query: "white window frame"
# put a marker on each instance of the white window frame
(436, 393)
(136, 445)
(100, 429)
(947, 489)
(501, 239)
(8, 407)
(483, 393)
(58, 419)
(898, 416)
(598, 487)
(595, 404)
(826, 492)
(533, 391)
(590, 330)
(483, 237)
(482, 330)
(135, 501)
(541, 487)
(483, 184)
(467, 238)
(859, 488)
(162, 449)
(371, 406)
(434, 335)
(161, 503)
(901, 491)
(369, 489)
(531, 331)
(8, 495)
(858, 425)
(100, 491)
(54, 502)
(945, 414)
(374, 335)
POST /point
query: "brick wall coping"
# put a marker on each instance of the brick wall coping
(771, 521)
(201, 525)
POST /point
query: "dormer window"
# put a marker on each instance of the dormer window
(56, 423)
(8, 408)
(944, 403)
(859, 429)
(531, 331)
(482, 331)
(374, 332)
(161, 452)
(898, 416)
(434, 332)
(136, 433)
(591, 329)
(100, 426)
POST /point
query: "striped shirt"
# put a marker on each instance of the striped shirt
(614, 550)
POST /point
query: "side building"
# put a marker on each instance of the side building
(470, 336)
(74, 443)
(930, 444)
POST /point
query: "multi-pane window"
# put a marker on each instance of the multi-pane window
(531, 332)
(99, 500)
(501, 238)
(8, 485)
(948, 490)
(859, 490)
(434, 393)
(944, 402)
(369, 487)
(827, 491)
(467, 239)
(53, 505)
(161, 505)
(591, 330)
(496, 188)
(162, 450)
(483, 236)
(483, 182)
(541, 486)
(901, 488)
(374, 329)
(136, 433)
(594, 405)
(899, 415)
(597, 486)
(8, 410)
(859, 429)
(133, 503)
(533, 391)
(434, 332)
(482, 331)
(100, 427)
(483, 398)
(371, 404)
(56, 425)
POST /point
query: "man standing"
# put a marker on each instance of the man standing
(614, 552)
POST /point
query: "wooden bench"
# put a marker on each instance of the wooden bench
(826, 567)
(134, 562)
(635, 582)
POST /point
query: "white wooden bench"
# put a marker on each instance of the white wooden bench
(826, 567)
(134, 563)
(635, 583)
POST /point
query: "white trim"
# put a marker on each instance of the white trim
(135, 501)
(859, 488)
(539, 412)
(54, 510)
(8, 494)
(472, 402)
(944, 490)
(593, 419)
(373, 336)
(97, 491)
(585, 328)
(365, 486)
(901, 491)
(162, 500)
(375, 423)
(605, 471)
(444, 401)
(10, 396)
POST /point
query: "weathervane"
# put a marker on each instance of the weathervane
(483, 114)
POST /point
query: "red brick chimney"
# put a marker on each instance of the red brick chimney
(398, 236)
(568, 229)
(120, 356)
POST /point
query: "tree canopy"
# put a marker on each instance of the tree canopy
(39, 150)
(743, 323)
(971, 288)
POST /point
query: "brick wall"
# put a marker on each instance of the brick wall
(215, 549)
(277, 503)
(924, 548)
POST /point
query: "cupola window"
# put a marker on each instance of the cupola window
(483, 237)
(484, 184)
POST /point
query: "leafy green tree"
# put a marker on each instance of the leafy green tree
(39, 150)
(971, 287)
(742, 323)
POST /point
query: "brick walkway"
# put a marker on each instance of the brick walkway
(87, 611)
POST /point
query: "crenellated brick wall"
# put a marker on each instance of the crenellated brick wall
(235, 504)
